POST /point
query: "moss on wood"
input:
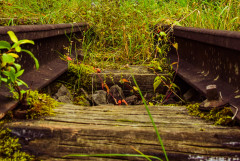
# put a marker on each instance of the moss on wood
(222, 116)
(10, 148)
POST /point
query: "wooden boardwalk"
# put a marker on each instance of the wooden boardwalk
(114, 129)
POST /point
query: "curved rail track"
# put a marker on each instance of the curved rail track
(206, 57)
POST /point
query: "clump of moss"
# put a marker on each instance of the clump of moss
(10, 147)
(40, 105)
(79, 75)
(221, 116)
(81, 100)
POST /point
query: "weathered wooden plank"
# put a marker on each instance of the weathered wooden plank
(114, 129)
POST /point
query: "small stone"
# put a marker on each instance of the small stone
(100, 97)
(64, 99)
(149, 96)
(190, 94)
(131, 100)
(63, 95)
(115, 94)
(139, 102)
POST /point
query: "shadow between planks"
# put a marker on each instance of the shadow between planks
(114, 129)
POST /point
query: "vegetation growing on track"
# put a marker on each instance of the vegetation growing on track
(221, 116)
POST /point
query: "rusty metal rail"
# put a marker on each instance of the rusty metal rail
(49, 42)
(210, 57)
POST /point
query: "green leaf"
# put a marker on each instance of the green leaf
(162, 33)
(232, 20)
(12, 69)
(162, 77)
(25, 42)
(19, 73)
(7, 58)
(18, 66)
(175, 45)
(12, 74)
(18, 49)
(9, 82)
(23, 91)
(20, 82)
(34, 58)
(157, 82)
(150, 103)
(160, 68)
(177, 23)
(4, 80)
(5, 45)
(13, 55)
(13, 37)
(20, 42)
(6, 73)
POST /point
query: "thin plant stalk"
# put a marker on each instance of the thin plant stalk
(151, 118)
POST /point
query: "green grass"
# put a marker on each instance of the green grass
(123, 30)
(221, 14)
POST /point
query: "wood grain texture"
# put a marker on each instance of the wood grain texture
(113, 129)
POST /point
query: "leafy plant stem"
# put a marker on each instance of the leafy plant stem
(176, 71)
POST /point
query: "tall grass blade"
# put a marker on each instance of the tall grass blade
(141, 153)
(151, 118)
